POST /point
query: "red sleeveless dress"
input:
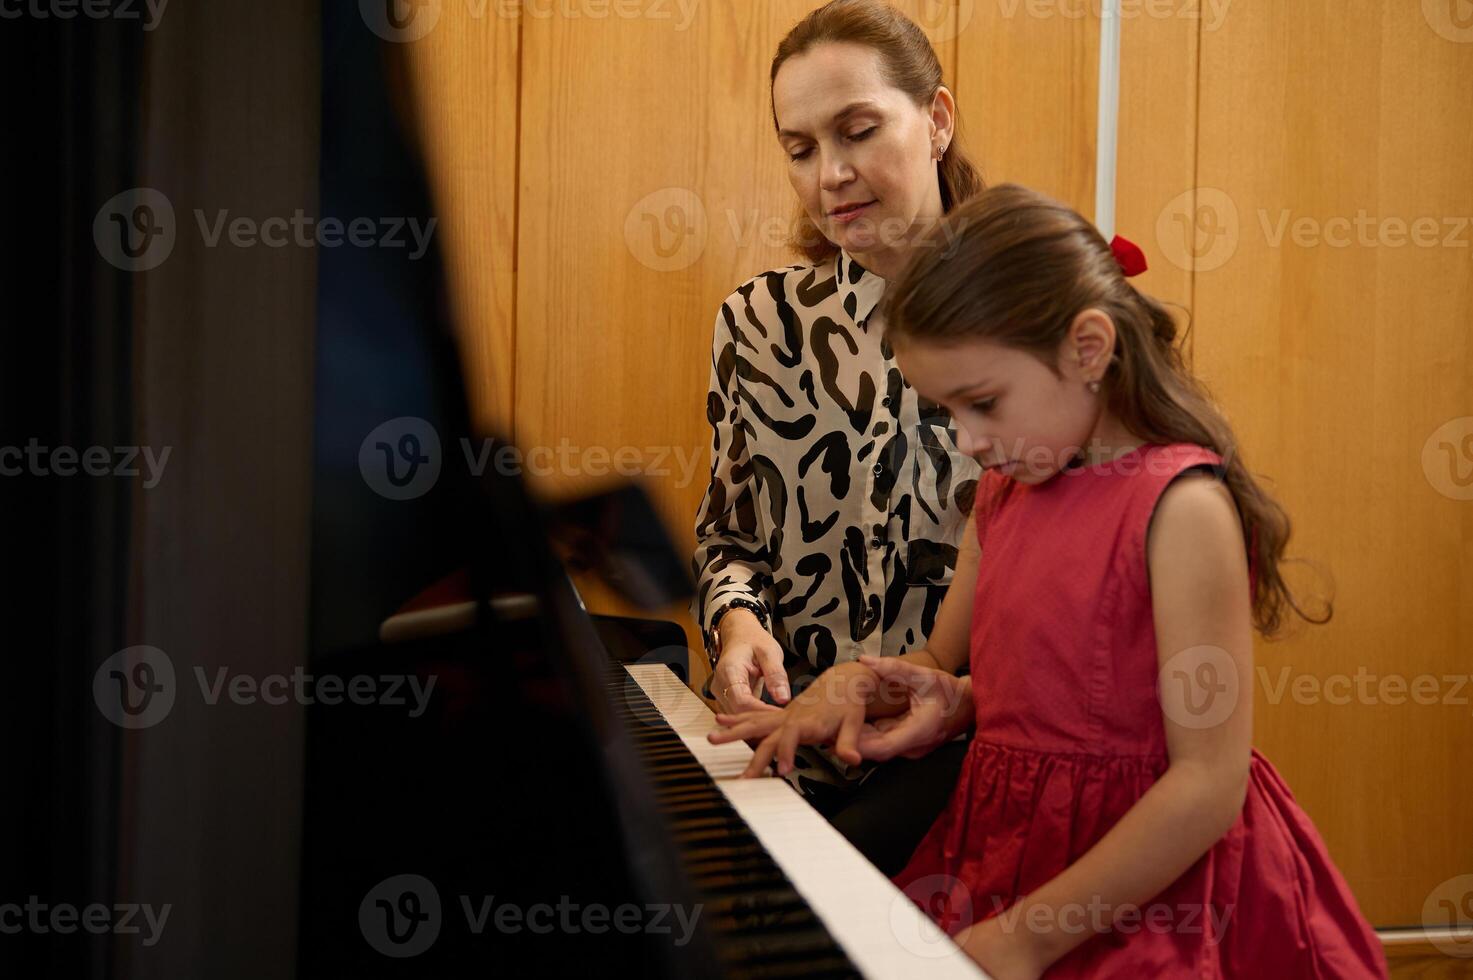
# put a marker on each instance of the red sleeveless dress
(1069, 736)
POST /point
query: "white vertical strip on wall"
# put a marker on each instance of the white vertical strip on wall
(1108, 124)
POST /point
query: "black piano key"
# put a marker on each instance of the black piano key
(808, 968)
(737, 865)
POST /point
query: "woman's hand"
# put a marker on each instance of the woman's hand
(748, 654)
(1001, 948)
(938, 709)
(831, 709)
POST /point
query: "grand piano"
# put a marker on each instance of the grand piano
(557, 806)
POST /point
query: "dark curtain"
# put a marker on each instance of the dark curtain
(66, 343)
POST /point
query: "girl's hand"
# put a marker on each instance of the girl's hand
(1004, 951)
(939, 708)
(831, 709)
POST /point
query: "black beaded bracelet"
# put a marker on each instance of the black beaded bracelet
(756, 608)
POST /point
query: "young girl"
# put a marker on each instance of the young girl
(1112, 818)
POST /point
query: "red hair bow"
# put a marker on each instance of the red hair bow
(1132, 260)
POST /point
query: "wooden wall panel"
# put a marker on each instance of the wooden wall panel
(1412, 956)
(1340, 360)
(1157, 155)
(465, 79)
(1027, 79)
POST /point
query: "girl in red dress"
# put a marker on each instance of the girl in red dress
(1112, 818)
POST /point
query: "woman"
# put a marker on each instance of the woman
(837, 496)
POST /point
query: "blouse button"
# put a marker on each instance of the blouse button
(879, 469)
(885, 401)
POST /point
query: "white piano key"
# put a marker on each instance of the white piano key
(689, 717)
(879, 928)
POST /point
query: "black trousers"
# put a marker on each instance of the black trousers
(886, 817)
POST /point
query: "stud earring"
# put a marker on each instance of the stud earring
(1094, 387)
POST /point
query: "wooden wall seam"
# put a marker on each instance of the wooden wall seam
(512, 432)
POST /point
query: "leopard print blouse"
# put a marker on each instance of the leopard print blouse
(837, 495)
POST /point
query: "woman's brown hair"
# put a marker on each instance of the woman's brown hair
(1014, 267)
(907, 62)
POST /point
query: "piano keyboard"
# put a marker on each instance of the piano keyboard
(785, 894)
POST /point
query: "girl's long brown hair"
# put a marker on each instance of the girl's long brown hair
(907, 61)
(1014, 267)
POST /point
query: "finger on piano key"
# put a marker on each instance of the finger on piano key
(846, 743)
(761, 757)
(745, 725)
(787, 747)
